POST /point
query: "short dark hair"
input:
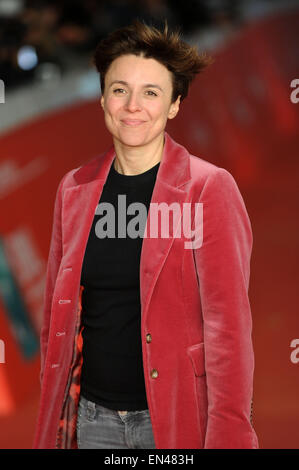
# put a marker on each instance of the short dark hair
(180, 58)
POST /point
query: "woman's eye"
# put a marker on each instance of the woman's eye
(151, 93)
(121, 90)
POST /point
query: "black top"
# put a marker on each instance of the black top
(112, 371)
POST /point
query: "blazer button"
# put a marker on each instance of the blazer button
(154, 373)
(148, 338)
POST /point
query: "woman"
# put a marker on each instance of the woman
(146, 340)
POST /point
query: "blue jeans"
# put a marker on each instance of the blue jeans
(101, 428)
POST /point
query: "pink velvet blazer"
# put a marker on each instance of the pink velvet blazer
(198, 360)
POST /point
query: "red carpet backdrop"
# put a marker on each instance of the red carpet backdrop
(239, 116)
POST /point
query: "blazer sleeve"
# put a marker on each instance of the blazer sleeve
(54, 260)
(223, 269)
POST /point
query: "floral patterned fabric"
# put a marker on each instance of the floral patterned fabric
(66, 435)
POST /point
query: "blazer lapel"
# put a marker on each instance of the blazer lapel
(173, 173)
(79, 206)
(81, 199)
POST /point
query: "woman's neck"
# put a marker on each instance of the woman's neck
(137, 160)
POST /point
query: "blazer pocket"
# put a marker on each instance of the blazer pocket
(197, 355)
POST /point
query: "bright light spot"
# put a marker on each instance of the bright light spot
(27, 58)
(11, 7)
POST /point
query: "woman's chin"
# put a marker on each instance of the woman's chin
(136, 138)
(132, 140)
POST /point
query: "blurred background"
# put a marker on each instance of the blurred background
(242, 114)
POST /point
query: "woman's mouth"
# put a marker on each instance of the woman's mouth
(132, 122)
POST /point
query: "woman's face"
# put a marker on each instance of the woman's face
(137, 99)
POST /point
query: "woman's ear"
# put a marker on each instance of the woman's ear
(102, 101)
(174, 108)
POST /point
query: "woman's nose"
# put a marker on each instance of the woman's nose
(132, 103)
